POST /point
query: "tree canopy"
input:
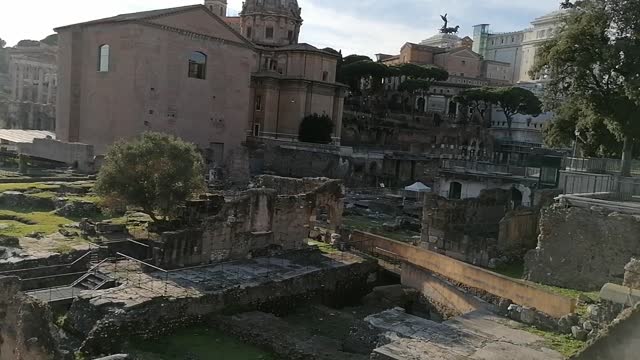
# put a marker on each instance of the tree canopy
(155, 172)
(479, 100)
(594, 61)
(516, 100)
(50, 40)
(316, 129)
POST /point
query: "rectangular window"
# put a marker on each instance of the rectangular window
(256, 130)
(103, 58)
(258, 102)
(290, 36)
(325, 76)
(249, 29)
(269, 33)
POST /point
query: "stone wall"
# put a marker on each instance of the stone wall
(583, 248)
(25, 325)
(518, 231)
(106, 326)
(297, 159)
(275, 215)
(620, 341)
(465, 229)
(517, 291)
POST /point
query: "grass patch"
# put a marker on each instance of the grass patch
(375, 227)
(514, 270)
(323, 247)
(42, 222)
(564, 344)
(27, 186)
(196, 343)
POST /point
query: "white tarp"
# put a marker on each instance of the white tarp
(418, 187)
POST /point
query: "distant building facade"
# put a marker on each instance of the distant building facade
(182, 71)
(32, 88)
(466, 69)
(290, 80)
(196, 73)
(519, 49)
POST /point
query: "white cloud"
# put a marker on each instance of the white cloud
(355, 26)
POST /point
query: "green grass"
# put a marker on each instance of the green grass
(44, 222)
(27, 186)
(513, 270)
(323, 247)
(197, 343)
(375, 227)
(564, 344)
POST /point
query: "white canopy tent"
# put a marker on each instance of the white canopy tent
(417, 188)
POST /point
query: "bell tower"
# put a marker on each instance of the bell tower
(218, 7)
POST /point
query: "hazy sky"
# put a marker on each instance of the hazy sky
(355, 26)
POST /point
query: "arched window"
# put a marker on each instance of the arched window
(103, 58)
(198, 65)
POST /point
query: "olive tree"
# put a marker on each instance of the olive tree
(154, 172)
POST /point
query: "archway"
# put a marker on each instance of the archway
(453, 108)
(516, 197)
(455, 191)
(421, 104)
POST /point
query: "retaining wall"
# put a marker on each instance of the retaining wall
(518, 291)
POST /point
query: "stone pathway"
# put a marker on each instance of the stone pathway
(477, 335)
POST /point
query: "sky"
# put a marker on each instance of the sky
(353, 26)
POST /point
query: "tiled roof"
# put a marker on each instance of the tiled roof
(136, 16)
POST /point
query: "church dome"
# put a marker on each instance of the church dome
(287, 8)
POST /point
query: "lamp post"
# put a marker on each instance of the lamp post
(575, 143)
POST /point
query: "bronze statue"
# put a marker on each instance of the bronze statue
(445, 29)
(446, 21)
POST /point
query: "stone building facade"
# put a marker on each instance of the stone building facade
(291, 80)
(194, 72)
(183, 71)
(519, 48)
(32, 88)
(466, 69)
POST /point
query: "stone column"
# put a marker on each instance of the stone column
(50, 87)
(20, 76)
(40, 94)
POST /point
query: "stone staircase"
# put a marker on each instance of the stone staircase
(93, 281)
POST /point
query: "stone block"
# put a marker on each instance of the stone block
(527, 316)
(632, 274)
(620, 294)
(579, 333)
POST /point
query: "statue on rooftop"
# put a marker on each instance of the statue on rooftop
(445, 29)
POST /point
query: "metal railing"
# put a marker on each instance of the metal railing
(489, 168)
(598, 165)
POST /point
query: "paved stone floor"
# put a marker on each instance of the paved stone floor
(138, 286)
(477, 335)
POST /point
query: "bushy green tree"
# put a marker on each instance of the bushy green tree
(479, 100)
(515, 100)
(155, 172)
(594, 60)
(316, 128)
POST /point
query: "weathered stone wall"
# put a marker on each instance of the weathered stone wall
(632, 274)
(256, 221)
(465, 229)
(518, 231)
(518, 291)
(582, 248)
(25, 325)
(620, 341)
(106, 327)
(298, 160)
